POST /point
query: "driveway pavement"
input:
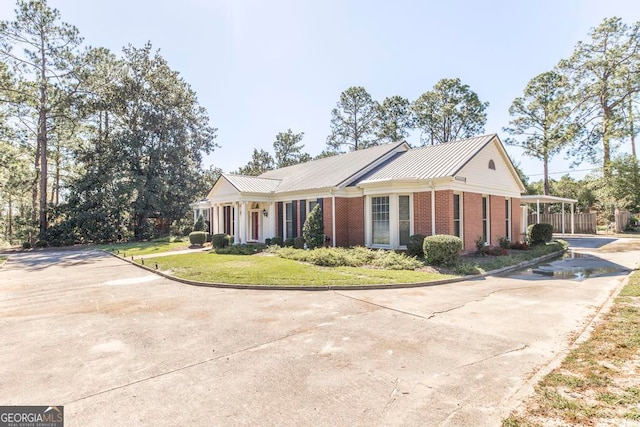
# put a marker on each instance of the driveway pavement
(118, 345)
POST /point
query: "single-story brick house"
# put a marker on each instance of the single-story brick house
(377, 197)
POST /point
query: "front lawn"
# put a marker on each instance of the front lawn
(272, 270)
(155, 246)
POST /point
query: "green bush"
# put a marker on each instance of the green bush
(197, 238)
(504, 243)
(276, 241)
(230, 239)
(267, 241)
(41, 244)
(56, 243)
(352, 257)
(415, 245)
(538, 234)
(298, 242)
(26, 245)
(199, 225)
(69, 242)
(442, 249)
(249, 249)
(186, 231)
(219, 241)
(313, 230)
(288, 242)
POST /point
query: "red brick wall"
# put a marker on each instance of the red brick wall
(342, 221)
(498, 219)
(444, 212)
(327, 218)
(472, 206)
(355, 221)
(422, 213)
(515, 220)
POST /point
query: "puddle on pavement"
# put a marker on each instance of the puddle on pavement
(571, 254)
(573, 273)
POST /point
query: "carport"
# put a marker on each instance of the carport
(538, 199)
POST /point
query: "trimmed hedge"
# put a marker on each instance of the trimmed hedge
(276, 241)
(415, 245)
(538, 234)
(442, 249)
(298, 242)
(198, 238)
(221, 240)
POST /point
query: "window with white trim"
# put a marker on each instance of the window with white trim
(485, 220)
(312, 204)
(404, 220)
(507, 218)
(380, 220)
(457, 215)
(288, 220)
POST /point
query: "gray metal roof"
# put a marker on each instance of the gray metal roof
(430, 162)
(252, 184)
(329, 171)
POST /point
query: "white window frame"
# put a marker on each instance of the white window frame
(461, 196)
(394, 220)
(488, 219)
(508, 213)
(284, 219)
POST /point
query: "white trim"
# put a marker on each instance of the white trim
(461, 194)
(394, 220)
(509, 218)
(333, 219)
(488, 230)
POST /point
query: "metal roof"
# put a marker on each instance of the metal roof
(329, 171)
(430, 162)
(252, 184)
(546, 199)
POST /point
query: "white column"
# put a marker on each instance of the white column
(333, 219)
(572, 220)
(538, 211)
(236, 223)
(563, 220)
(244, 221)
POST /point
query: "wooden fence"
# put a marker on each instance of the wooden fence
(584, 223)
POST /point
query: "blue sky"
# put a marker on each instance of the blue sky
(261, 67)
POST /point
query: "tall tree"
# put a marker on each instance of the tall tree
(288, 149)
(450, 111)
(395, 119)
(261, 161)
(40, 50)
(353, 121)
(541, 120)
(605, 73)
(148, 163)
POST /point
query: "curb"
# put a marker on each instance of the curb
(499, 271)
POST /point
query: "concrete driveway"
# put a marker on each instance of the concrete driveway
(117, 345)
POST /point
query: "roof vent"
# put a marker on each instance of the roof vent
(492, 164)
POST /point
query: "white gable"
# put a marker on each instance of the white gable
(223, 190)
(483, 179)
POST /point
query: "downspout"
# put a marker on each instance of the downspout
(333, 218)
(433, 208)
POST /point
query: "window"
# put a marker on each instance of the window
(312, 204)
(507, 218)
(380, 220)
(457, 218)
(485, 219)
(228, 219)
(289, 220)
(404, 220)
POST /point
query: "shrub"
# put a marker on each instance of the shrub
(197, 238)
(69, 242)
(480, 244)
(353, 257)
(56, 242)
(41, 244)
(267, 241)
(504, 243)
(288, 242)
(298, 242)
(313, 230)
(415, 245)
(276, 241)
(26, 245)
(219, 241)
(538, 234)
(466, 268)
(442, 249)
(250, 249)
(199, 224)
(495, 251)
(519, 246)
(186, 231)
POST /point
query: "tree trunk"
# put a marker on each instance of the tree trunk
(545, 174)
(631, 129)
(42, 136)
(606, 141)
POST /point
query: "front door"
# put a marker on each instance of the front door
(255, 219)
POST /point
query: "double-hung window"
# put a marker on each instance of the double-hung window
(404, 220)
(380, 220)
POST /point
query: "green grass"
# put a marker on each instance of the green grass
(272, 270)
(144, 248)
(589, 383)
